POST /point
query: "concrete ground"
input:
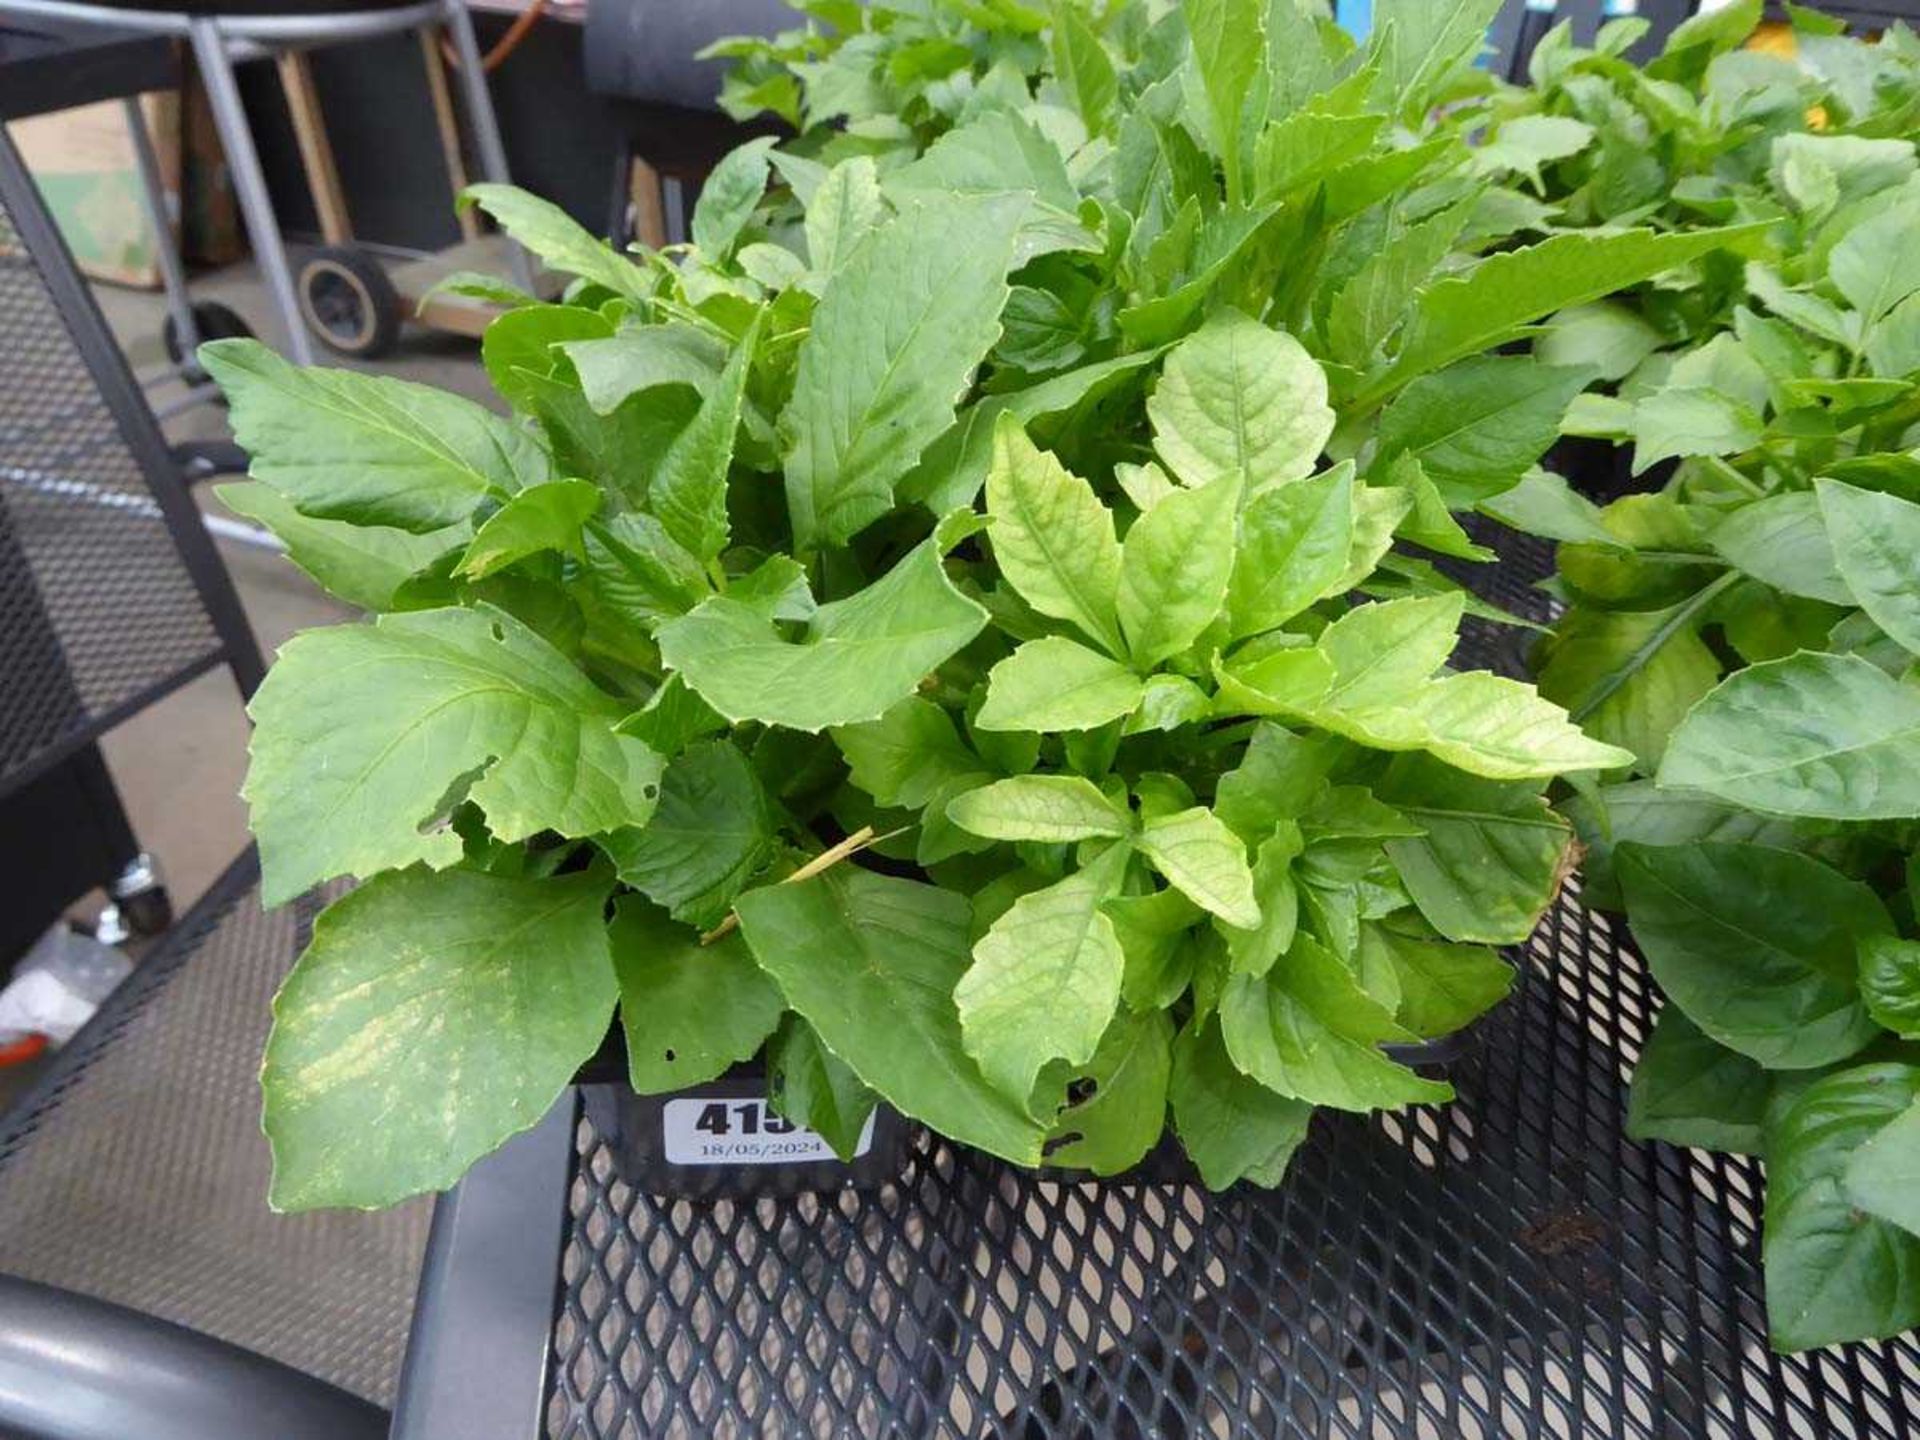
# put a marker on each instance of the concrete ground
(179, 765)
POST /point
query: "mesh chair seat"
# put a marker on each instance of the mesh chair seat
(136, 1171)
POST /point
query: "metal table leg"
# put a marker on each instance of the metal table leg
(166, 253)
(249, 182)
(486, 126)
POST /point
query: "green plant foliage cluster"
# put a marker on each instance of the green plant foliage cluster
(1748, 628)
(1050, 493)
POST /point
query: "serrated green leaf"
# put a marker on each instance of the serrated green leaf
(1692, 420)
(367, 734)
(1783, 541)
(1050, 808)
(1492, 856)
(1252, 951)
(871, 963)
(1045, 979)
(1874, 266)
(1205, 861)
(1126, 1113)
(690, 1011)
(432, 1017)
(1238, 396)
(710, 834)
(528, 339)
(1365, 678)
(638, 573)
(1421, 46)
(909, 754)
(1174, 570)
(991, 154)
(1308, 1030)
(1756, 945)
(1442, 986)
(1608, 336)
(891, 350)
(648, 357)
(842, 213)
(727, 198)
(1479, 425)
(553, 235)
(859, 656)
(1226, 43)
(1527, 142)
(1308, 146)
(1083, 67)
(1882, 1177)
(366, 448)
(1052, 684)
(954, 467)
(1875, 542)
(1052, 537)
(1691, 1090)
(361, 564)
(1544, 504)
(689, 488)
(545, 517)
(1233, 1128)
(1629, 677)
(1835, 1273)
(1499, 297)
(811, 1086)
(1890, 982)
(1828, 736)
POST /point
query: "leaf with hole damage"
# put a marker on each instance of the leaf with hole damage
(689, 1011)
(366, 735)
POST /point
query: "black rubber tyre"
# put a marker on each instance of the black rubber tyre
(147, 912)
(214, 321)
(348, 302)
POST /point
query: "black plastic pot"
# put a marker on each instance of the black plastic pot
(719, 1140)
(722, 1140)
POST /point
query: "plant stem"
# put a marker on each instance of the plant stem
(825, 860)
(1752, 487)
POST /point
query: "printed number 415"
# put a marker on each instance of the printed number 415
(752, 1116)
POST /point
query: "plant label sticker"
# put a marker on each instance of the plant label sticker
(724, 1130)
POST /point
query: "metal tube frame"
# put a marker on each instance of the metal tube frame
(173, 274)
(220, 41)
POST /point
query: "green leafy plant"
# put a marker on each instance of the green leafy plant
(1799, 130)
(912, 633)
(1748, 631)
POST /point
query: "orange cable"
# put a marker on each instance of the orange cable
(503, 47)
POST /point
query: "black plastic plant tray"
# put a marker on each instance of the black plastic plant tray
(720, 1138)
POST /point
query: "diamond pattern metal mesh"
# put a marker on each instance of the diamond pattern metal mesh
(96, 607)
(139, 1174)
(1510, 1265)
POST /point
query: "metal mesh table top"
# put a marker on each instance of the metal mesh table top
(1509, 1265)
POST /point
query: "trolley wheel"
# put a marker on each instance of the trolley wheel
(348, 302)
(214, 321)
